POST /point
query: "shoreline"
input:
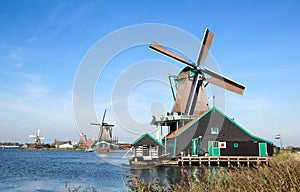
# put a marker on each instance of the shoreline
(54, 149)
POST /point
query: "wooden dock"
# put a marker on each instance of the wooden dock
(222, 160)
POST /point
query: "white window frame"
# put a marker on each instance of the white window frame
(214, 130)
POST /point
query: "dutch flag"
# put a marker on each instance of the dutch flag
(278, 136)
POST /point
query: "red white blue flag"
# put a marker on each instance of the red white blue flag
(278, 136)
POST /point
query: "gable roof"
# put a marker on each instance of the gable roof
(241, 127)
(203, 114)
(186, 126)
(149, 140)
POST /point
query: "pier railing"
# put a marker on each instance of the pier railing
(222, 160)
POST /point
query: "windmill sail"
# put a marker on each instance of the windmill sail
(224, 82)
(204, 49)
(191, 97)
(157, 47)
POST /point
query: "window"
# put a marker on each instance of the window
(215, 144)
(235, 145)
(214, 130)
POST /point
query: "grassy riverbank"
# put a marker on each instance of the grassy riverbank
(282, 174)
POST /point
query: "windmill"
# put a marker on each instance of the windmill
(37, 137)
(191, 97)
(105, 130)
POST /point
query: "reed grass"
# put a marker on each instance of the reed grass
(281, 174)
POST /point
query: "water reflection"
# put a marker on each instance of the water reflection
(174, 174)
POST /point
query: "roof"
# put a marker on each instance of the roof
(203, 114)
(146, 139)
(186, 126)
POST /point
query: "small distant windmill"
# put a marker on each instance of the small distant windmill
(105, 130)
(37, 137)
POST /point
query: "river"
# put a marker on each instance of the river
(66, 170)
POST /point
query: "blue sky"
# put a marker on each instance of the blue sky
(43, 42)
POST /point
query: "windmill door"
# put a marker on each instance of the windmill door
(195, 146)
(262, 149)
(213, 148)
(145, 150)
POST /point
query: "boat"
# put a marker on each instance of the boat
(9, 147)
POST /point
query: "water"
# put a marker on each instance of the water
(56, 170)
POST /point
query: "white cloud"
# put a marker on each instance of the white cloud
(35, 90)
(31, 40)
(31, 76)
(17, 57)
(32, 84)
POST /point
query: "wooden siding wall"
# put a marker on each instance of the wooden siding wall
(245, 148)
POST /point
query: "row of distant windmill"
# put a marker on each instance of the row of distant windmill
(104, 133)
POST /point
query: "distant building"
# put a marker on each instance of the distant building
(82, 139)
(58, 143)
(146, 150)
(65, 146)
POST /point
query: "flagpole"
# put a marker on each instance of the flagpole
(281, 141)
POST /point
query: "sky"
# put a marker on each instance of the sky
(43, 44)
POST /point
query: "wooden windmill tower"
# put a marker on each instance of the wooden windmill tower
(105, 130)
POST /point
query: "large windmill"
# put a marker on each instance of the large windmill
(191, 97)
(193, 128)
(105, 130)
(37, 137)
